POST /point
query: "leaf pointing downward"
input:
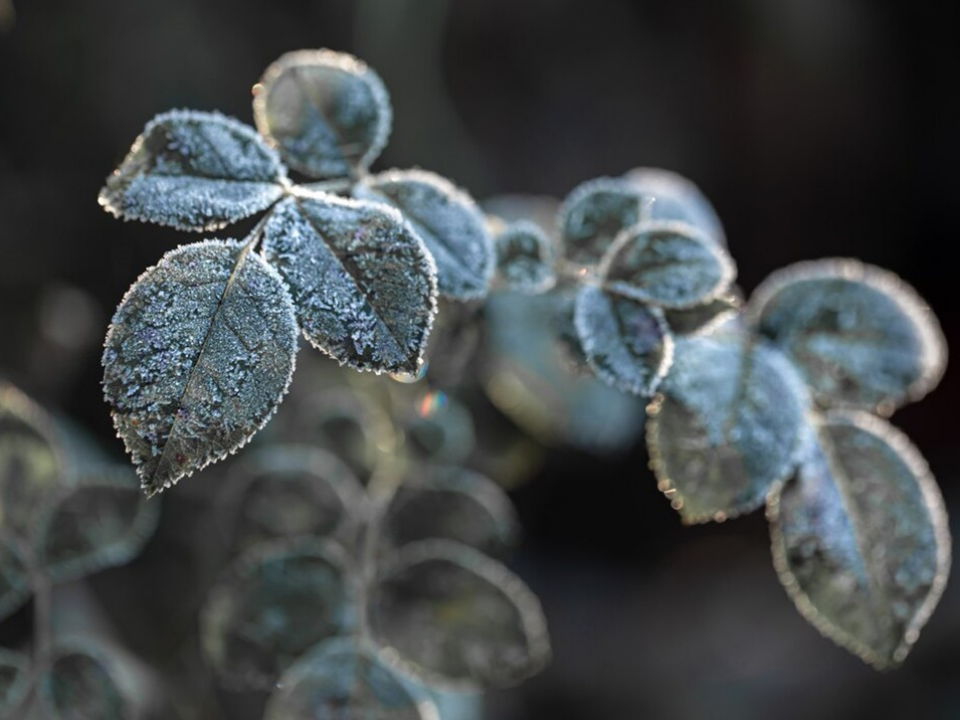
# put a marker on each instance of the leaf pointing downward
(198, 356)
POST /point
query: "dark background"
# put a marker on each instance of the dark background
(817, 127)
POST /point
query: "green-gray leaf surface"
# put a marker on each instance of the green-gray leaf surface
(272, 604)
(626, 343)
(861, 336)
(198, 356)
(14, 578)
(327, 112)
(449, 222)
(14, 680)
(340, 681)
(666, 263)
(455, 616)
(860, 537)
(728, 427)
(79, 685)
(363, 283)
(195, 171)
(525, 258)
(593, 214)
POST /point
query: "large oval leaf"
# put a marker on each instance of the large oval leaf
(525, 258)
(15, 681)
(340, 680)
(271, 605)
(593, 214)
(627, 344)
(195, 171)
(727, 428)
(14, 578)
(102, 522)
(860, 537)
(666, 263)
(80, 684)
(449, 222)
(199, 354)
(861, 336)
(327, 112)
(452, 615)
(363, 284)
(674, 197)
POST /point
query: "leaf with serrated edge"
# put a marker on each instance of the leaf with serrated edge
(363, 284)
(195, 171)
(860, 537)
(272, 604)
(525, 258)
(343, 676)
(593, 214)
(15, 680)
(727, 427)
(450, 615)
(861, 336)
(627, 344)
(449, 222)
(327, 112)
(666, 263)
(81, 683)
(199, 354)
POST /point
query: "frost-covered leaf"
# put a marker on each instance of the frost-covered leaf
(627, 343)
(452, 615)
(80, 685)
(449, 222)
(199, 354)
(102, 522)
(340, 680)
(703, 318)
(290, 490)
(674, 197)
(526, 378)
(439, 428)
(860, 537)
(194, 171)
(728, 426)
(14, 681)
(271, 605)
(31, 462)
(861, 336)
(14, 578)
(525, 258)
(593, 214)
(363, 284)
(450, 503)
(327, 112)
(669, 264)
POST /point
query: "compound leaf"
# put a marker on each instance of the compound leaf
(669, 264)
(327, 112)
(197, 358)
(363, 283)
(453, 615)
(593, 214)
(626, 343)
(449, 222)
(860, 537)
(728, 426)
(102, 522)
(15, 680)
(340, 679)
(272, 604)
(525, 258)
(81, 683)
(195, 171)
(14, 578)
(861, 337)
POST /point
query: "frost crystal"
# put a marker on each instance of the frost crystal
(362, 281)
(194, 171)
(199, 354)
(449, 222)
(525, 258)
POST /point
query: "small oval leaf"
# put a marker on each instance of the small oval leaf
(727, 428)
(80, 684)
(449, 614)
(15, 681)
(199, 354)
(525, 258)
(363, 284)
(860, 537)
(327, 112)
(195, 171)
(669, 264)
(449, 222)
(703, 319)
(593, 214)
(626, 343)
(338, 681)
(676, 198)
(271, 605)
(861, 336)
(450, 503)
(14, 578)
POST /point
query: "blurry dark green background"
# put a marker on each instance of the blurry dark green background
(817, 127)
